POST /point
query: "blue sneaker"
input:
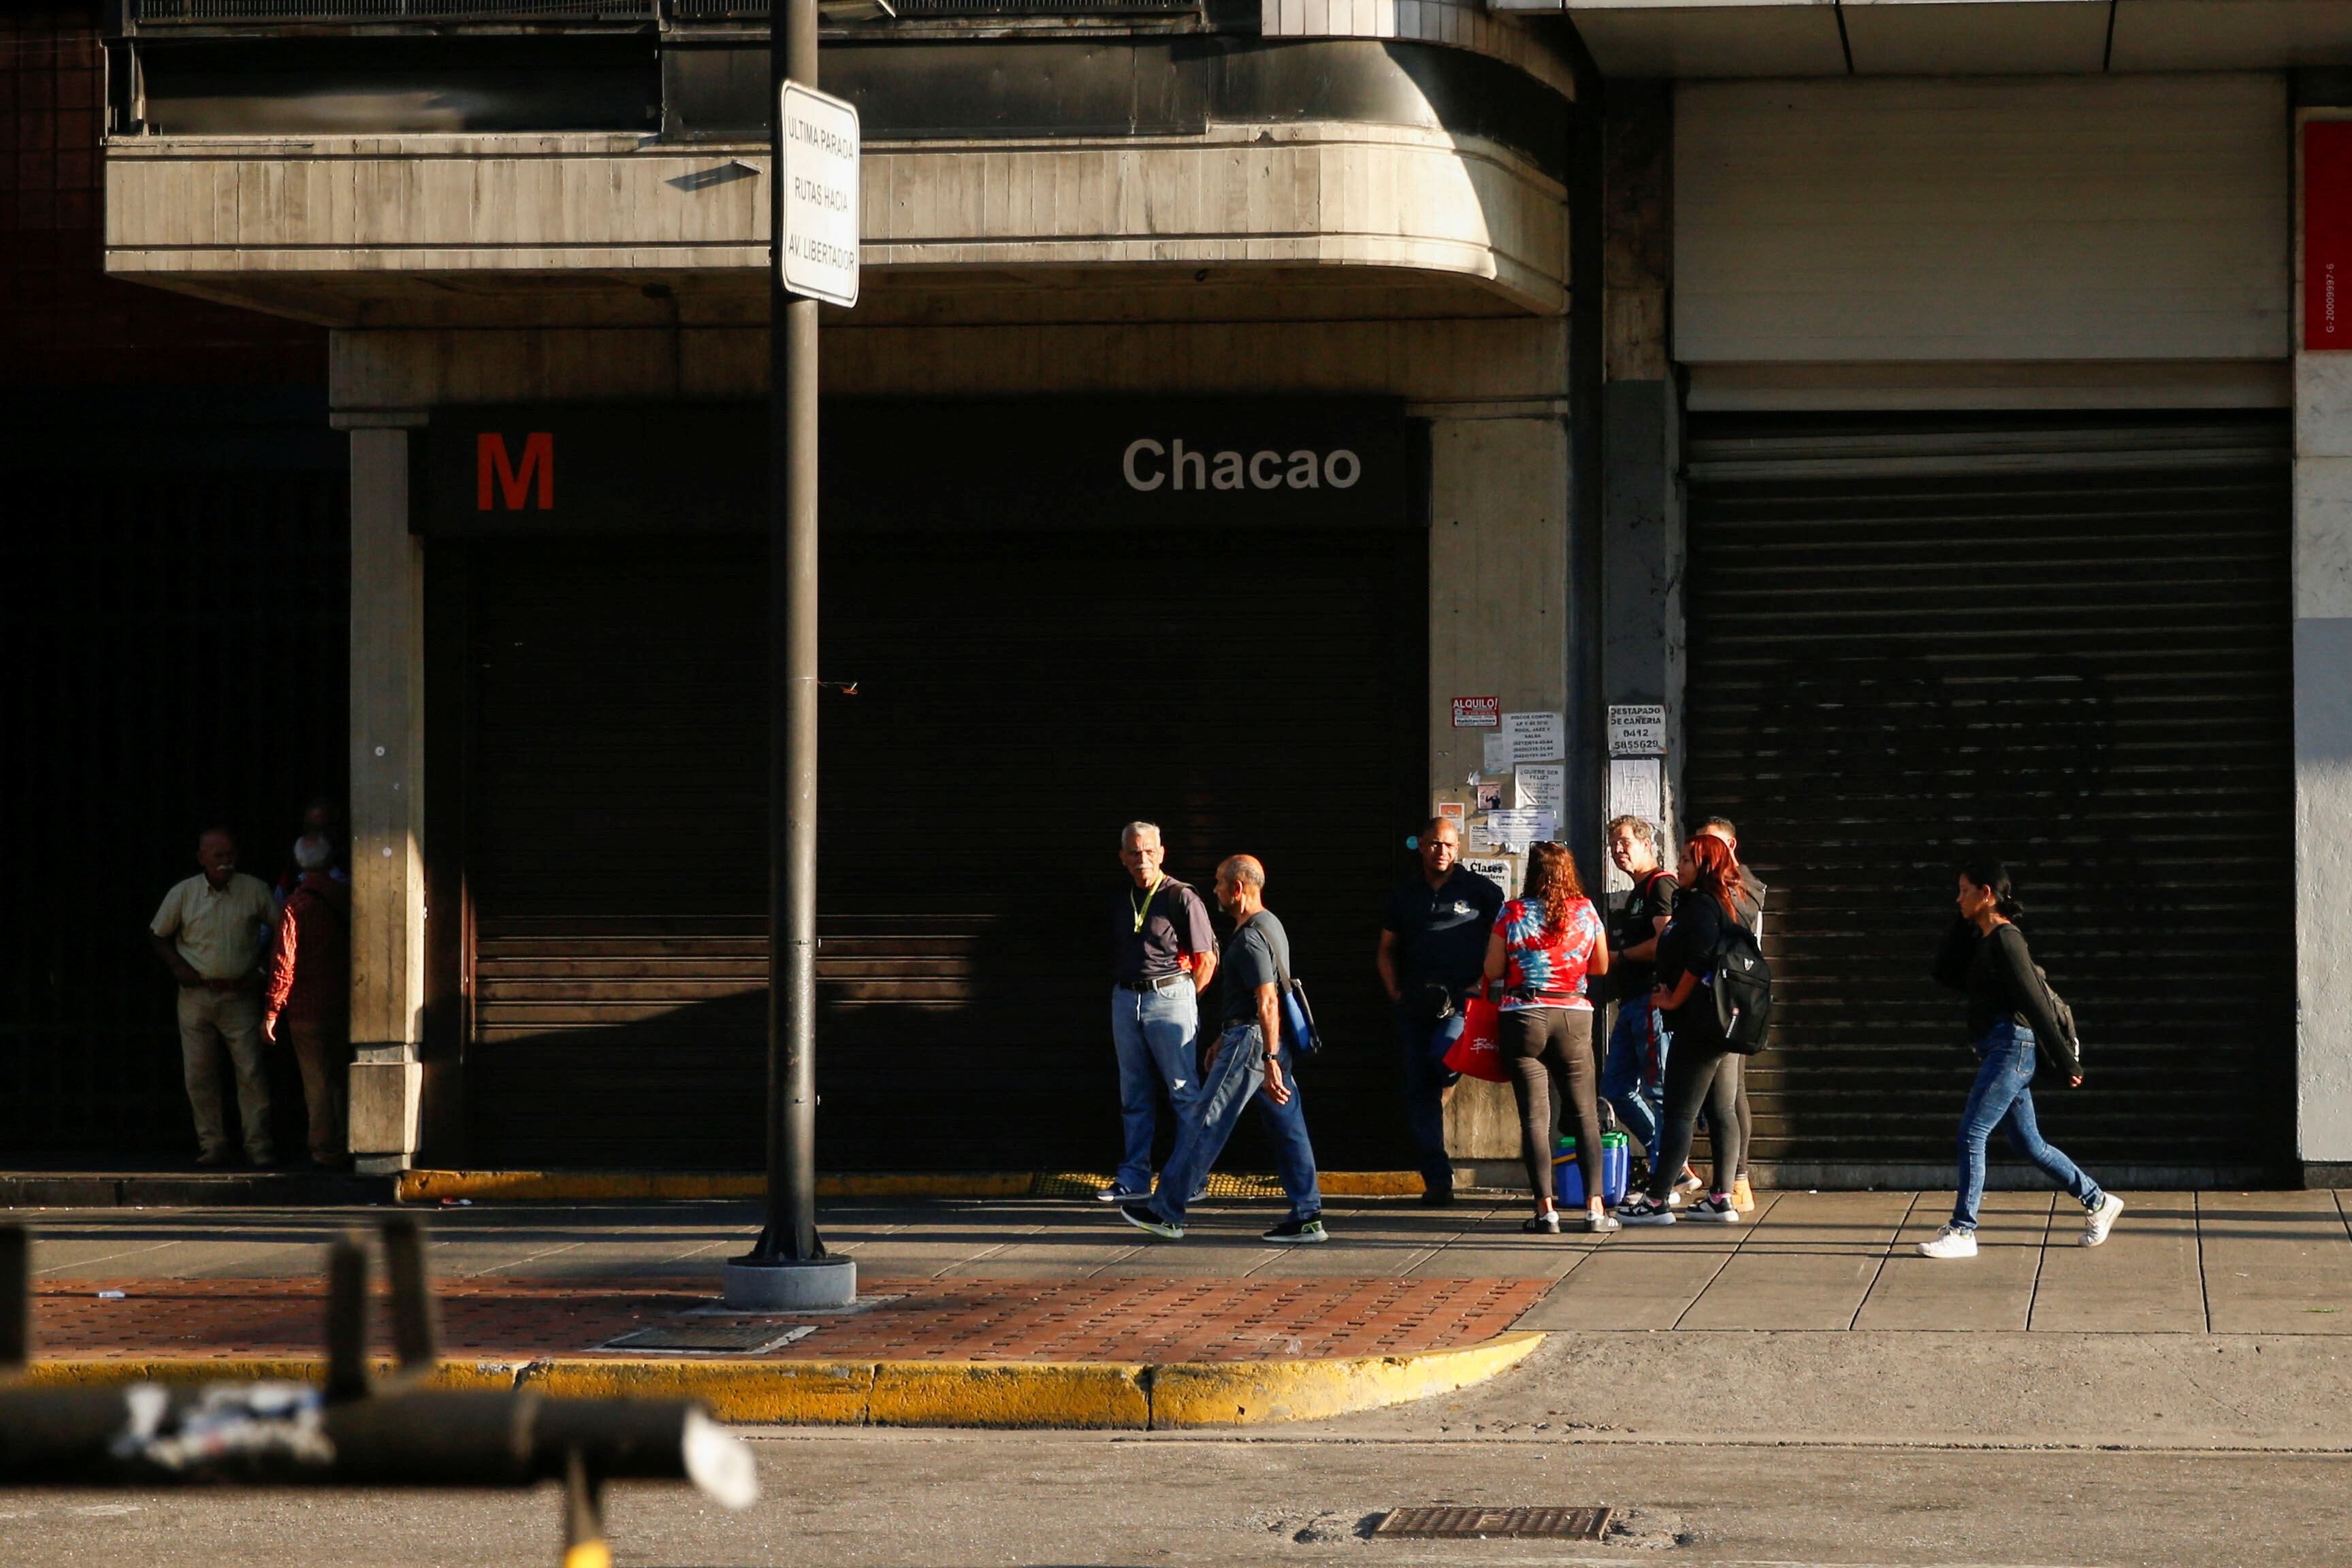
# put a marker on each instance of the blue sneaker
(1117, 1194)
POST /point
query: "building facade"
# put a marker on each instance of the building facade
(172, 527)
(1244, 403)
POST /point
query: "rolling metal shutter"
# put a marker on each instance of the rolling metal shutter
(2065, 642)
(1019, 697)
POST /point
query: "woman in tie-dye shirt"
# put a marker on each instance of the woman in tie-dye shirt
(1542, 948)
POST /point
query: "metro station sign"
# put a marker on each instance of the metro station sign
(818, 246)
(2327, 234)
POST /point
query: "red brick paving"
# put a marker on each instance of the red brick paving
(951, 1319)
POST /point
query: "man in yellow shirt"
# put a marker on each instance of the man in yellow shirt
(212, 932)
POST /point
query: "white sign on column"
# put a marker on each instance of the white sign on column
(820, 207)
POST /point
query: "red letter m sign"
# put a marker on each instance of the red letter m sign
(496, 471)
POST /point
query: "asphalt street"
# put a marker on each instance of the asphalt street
(902, 1499)
(1919, 1450)
(1799, 1392)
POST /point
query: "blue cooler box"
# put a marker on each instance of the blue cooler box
(1616, 1168)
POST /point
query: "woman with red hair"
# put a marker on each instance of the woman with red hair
(1696, 1071)
(1543, 946)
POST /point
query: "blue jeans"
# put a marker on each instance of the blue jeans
(1424, 1045)
(1158, 1034)
(1234, 1079)
(1634, 1078)
(2003, 1098)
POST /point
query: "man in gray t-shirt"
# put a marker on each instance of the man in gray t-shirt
(1249, 1055)
(1255, 958)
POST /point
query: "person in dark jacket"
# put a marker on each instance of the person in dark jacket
(1747, 905)
(1984, 957)
(1697, 1077)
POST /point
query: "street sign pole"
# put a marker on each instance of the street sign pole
(789, 1266)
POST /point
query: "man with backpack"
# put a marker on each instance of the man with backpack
(1251, 1059)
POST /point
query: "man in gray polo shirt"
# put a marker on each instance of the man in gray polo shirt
(213, 932)
(1164, 953)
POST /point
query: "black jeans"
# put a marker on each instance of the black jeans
(1548, 1047)
(1737, 1067)
(1697, 1075)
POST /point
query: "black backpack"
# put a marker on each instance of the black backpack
(1741, 984)
(2065, 1017)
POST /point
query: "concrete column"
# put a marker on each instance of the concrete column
(1642, 650)
(1498, 627)
(387, 803)
(1641, 423)
(2323, 750)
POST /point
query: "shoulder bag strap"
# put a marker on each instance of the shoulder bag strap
(1281, 969)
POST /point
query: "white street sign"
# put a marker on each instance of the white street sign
(1637, 729)
(820, 204)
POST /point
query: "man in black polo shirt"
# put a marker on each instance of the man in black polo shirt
(1433, 946)
(1164, 953)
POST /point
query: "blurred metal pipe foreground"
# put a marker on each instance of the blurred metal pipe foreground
(354, 1432)
(288, 1434)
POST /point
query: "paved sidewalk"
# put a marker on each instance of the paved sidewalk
(2269, 1262)
(966, 1318)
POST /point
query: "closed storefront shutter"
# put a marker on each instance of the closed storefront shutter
(2065, 642)
(1018, 696)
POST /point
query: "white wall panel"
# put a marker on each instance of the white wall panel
(1927, 219)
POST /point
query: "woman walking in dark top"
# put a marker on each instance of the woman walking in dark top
(1543, 946)
(1984, 956)
(1698, 1070)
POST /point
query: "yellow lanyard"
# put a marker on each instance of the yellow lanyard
(1144, 908)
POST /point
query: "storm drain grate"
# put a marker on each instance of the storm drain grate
(743, 1339)
(1493, 1524)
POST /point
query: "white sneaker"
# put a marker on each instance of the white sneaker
(1950, 1242)
(2102, 1219)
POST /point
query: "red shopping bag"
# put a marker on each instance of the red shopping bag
(1479, 1053)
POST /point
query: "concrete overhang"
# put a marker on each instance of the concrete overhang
(520, 230)
(1700, 38)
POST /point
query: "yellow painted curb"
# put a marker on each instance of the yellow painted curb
(796, 1392)
(1118, 1395)
(95, 1374)
(1242, 1393)
(592, 1187)
(1010, 1394)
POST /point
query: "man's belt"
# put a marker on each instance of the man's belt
(1153, 984)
